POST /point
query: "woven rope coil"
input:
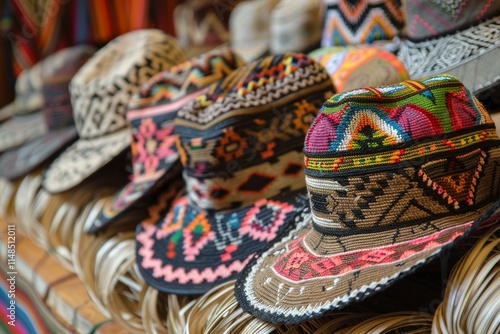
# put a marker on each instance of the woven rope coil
(471, 303)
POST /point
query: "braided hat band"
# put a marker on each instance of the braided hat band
(241, 147)
(395, 174)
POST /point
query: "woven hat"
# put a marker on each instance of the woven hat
(461, 38)
(241, 148)
(100, 93)
(295, 26)
(151, 114)
(57, 112)
(249, 26)
(27, 121)
(361, 22)
(362, 66)
(395, 175)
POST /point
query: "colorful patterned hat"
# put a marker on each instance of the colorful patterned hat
(295, 26)
(361, 22)
(100, 93)
(241, 147)
(56, 74)
(249, 27)
(27, 121)
(151, 113)
(456, 37)
(362, 66)
(395, 175)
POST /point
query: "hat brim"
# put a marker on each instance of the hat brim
(130, 195)
(190, 250)
(21, 161)
(470, 55)
(6, 112)
(20, 129)
(82, 159)
(298, 279)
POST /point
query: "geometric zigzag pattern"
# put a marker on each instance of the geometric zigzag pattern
(190, 76)
(101, 90)
(361, 22)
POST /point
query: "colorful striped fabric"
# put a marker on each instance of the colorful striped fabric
(37, 29)
(32, 315)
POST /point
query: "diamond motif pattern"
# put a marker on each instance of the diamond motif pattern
(292, 169)
(256, 183)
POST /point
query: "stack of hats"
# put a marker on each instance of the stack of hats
(241, 148)
(56, 73)
(309, 205)
(100, 93)
(151, 114)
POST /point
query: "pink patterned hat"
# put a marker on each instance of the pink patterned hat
(151, 113)
(241, 148)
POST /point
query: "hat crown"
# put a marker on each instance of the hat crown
(152, 110)
(101, 90)
(400, 153)
(57, 71)
(243, 139)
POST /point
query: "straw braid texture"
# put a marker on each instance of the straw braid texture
(470, 303)
(155, 159)
(361, 22)
(240, 144)
(386, 195)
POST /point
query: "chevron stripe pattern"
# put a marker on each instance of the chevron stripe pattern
(180, 80)
(350, 22)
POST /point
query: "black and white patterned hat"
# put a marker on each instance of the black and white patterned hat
(461, 38)
(100, 93)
